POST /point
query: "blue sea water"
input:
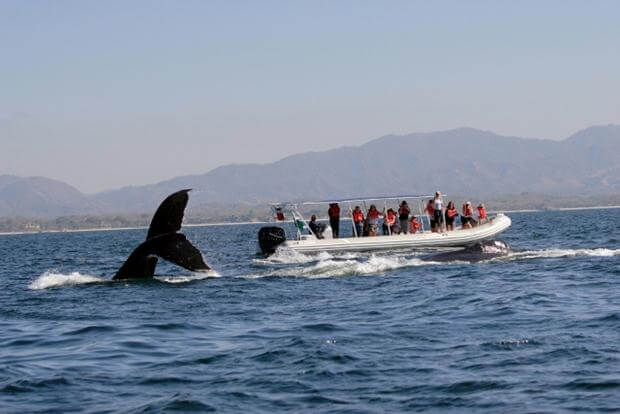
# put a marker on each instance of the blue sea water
(536, 331)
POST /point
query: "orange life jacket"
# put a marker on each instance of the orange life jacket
(390, 218)
(452, 213)
(334, 211)
(414, 225)
(358, 216)
(482, 212)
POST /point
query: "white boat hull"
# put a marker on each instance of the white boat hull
(457, 238)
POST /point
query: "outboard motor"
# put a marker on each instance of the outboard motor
(269, 238)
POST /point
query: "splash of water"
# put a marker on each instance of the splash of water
(51, 279)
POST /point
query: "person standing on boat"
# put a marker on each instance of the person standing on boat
(372, 218)
(334, 219)
(358, 221)
(438, 207)
(451, 215)
(430, 212)
(403, 216)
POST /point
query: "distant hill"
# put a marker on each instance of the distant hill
(41, 197)
(459, 161)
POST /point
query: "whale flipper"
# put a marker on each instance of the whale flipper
(163, 241)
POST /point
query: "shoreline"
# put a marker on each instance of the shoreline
(17, 233)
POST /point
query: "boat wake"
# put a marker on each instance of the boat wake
(53, 279)
(326, 265)
(286, 262)
(288, 256)
(372, 265)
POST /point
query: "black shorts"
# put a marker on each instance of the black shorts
(438, 217)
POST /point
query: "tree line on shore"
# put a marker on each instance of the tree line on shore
(260, 213)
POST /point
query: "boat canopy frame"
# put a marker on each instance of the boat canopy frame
(301, 224)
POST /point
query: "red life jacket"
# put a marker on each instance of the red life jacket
(467, 212)
(334, 211)
(358, 216)
(482, 212)
(373, 214)
(414, 225)
(279, 214)
(390, 218)
(430, 210)
(452, 213)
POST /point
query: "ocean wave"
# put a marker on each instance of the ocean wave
(51, 279)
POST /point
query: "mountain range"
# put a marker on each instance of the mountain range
(462, 161)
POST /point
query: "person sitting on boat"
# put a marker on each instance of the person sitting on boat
(438, 206)
(414, 225)
(334, 219)
(317, 228)
(358, 221)
(451, 215)
(403, 216)
(389, 222)
(373, 220)
(430, 212)
(467, 218)
(482, 214)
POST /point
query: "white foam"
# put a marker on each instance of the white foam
(288, 256)
(555, 253)
(52, 279)
(336, 266)
(188, 278)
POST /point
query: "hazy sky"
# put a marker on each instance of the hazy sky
(102, 94)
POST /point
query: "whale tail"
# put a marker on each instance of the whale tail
(163, 241)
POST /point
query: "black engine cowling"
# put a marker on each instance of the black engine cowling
(269, 238)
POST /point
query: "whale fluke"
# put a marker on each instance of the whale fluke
(163, 241)
(169, 214)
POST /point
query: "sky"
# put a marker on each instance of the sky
(103, 94)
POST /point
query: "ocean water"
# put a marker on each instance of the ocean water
(536, 331)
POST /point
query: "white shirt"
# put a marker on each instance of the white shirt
(438, 203)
